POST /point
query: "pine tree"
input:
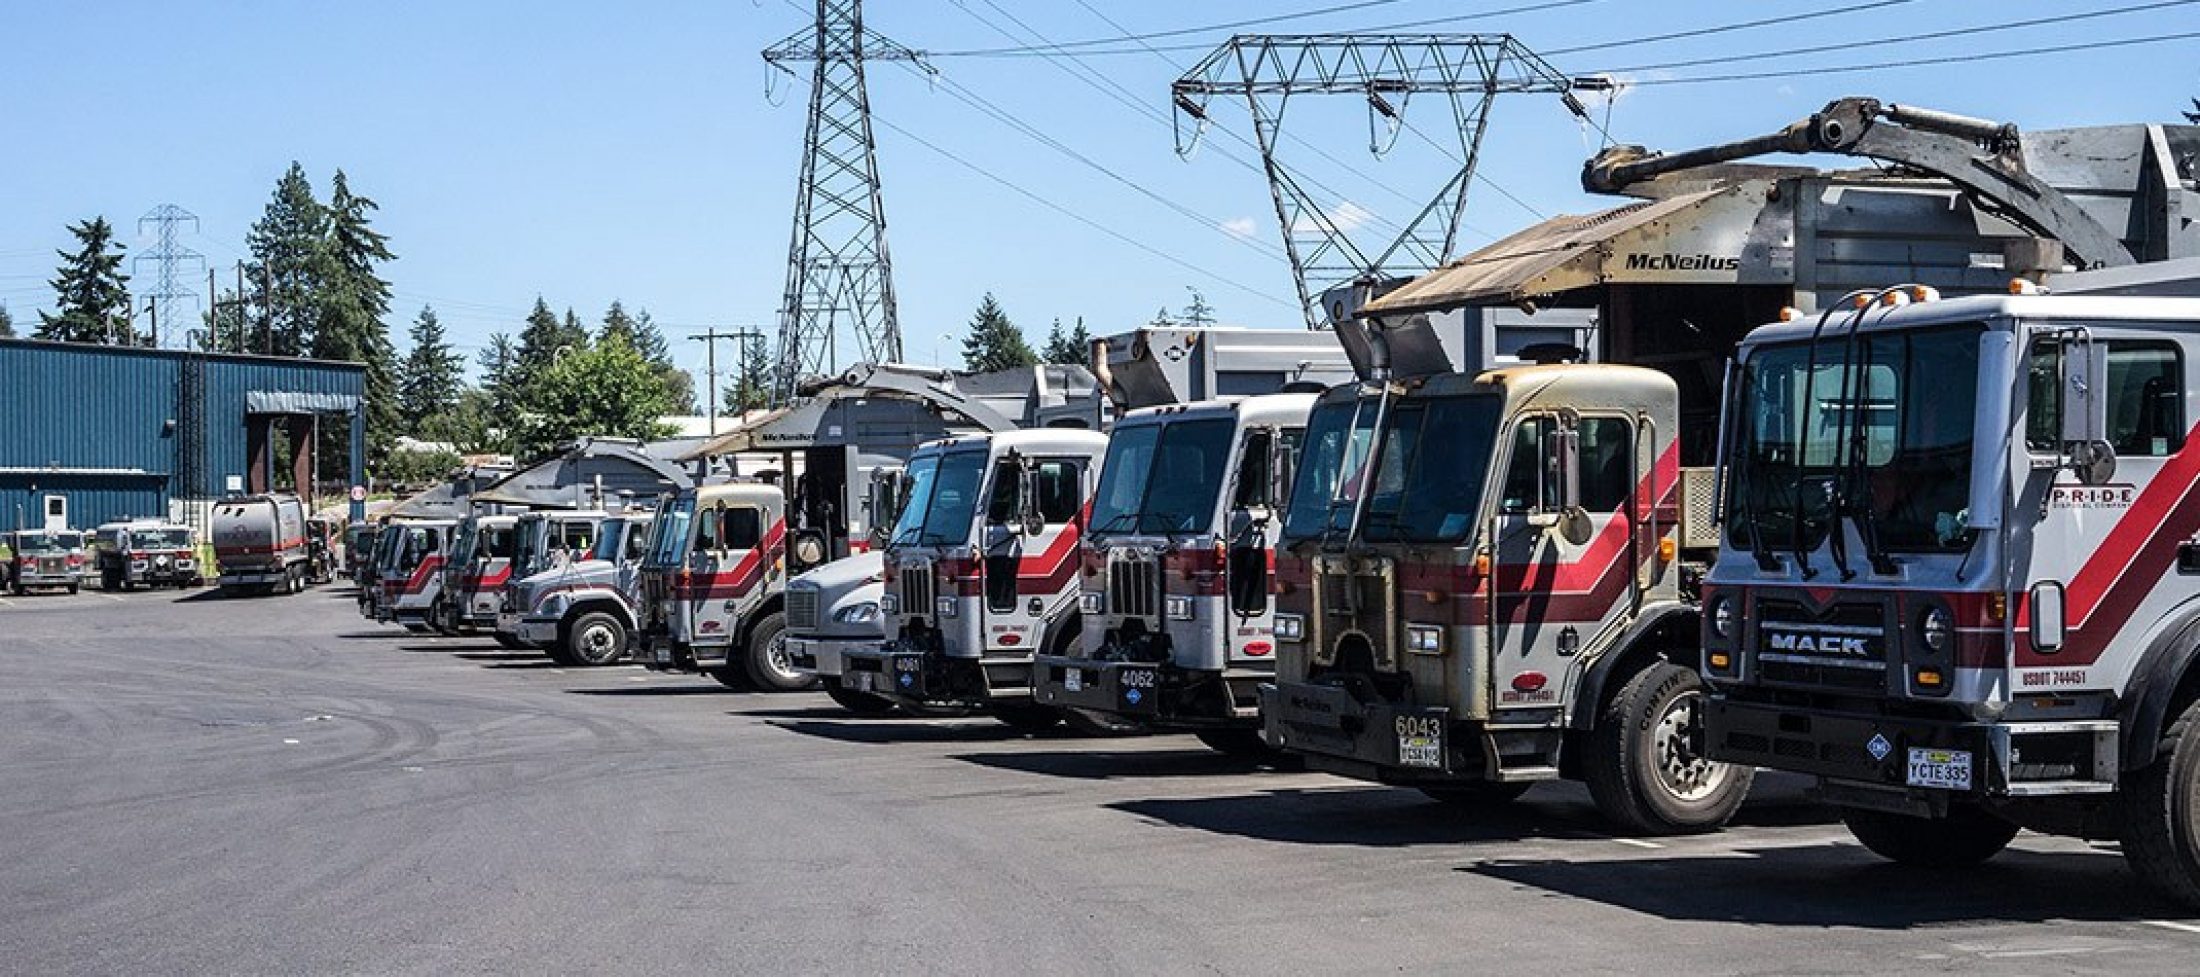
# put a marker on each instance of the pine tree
(617, 323)
(434, 373)
(226, 324)
(1162, 318)
(91, 292)
(540, 341)
(289, 245)
(7, 323)
(994, 342)
(650, 341)
(354, 304)
(1199, 313)
(1073, 347)
(752, 379)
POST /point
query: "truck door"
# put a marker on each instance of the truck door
(1251, 526)
(1551, 593)
(726, 565)
(1028, 576)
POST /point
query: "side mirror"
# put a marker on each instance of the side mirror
(1283, 462)
(2048, 622)
(2084, 380)
(1562, 466)
(1027, 500)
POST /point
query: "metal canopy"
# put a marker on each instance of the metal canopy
(1662, 241)
(816, 419)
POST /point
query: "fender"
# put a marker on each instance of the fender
(2171, 665)
(757, 614)
(1666, 626)
(601, 601)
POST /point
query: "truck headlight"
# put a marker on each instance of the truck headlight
(1722, 618)
(1426, 639)
(1179, 608)
(1934, 628)
(555, 605)
(944, 606)
(1092, 602)
(1290, 627)
(889, 604)
(863, 613)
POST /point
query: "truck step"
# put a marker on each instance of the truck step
(2051, 788)
(1520, 774)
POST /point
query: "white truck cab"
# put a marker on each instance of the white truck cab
(712, 586)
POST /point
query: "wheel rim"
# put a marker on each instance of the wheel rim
(1685, 775)
(778, 661)
(597, 643)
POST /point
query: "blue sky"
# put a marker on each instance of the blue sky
(590, 151)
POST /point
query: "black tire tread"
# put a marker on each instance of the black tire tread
(2162, 852)
(1611, 766)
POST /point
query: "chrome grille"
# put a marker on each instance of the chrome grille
(801, 607)
(1134, 586)
(51, 565)
(916, 589)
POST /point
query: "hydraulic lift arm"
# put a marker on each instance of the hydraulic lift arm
(1985, 158)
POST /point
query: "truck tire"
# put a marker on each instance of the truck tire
(1479, 793)
(769, 666)
(74, 586)
(2160, 814)
(1967, 836)
(596, 638)
(1639, 770)
(1028, 717)
(860, 703)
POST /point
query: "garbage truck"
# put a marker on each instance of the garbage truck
(712, 587)
(587, 612)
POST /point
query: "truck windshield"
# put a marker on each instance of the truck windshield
(417, 544)
(527, 539)
(943, 499)
(669, 537)
(159, 539)
(47, 542)
(1876, 428)
(1163, 478)
(468, 532)
(612, 535)
(1426, 481)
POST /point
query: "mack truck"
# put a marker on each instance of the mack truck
(260, 544)
(474, 579)
(541, 541)
(1960, 572)
(713, 584)
(1177, 624)
(980, 574)
(410, 570)
(586, 612)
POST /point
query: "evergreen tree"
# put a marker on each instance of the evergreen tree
(752, 379)
(1199, 313)
(498, 405)
(994, 342)
(617, 323)
(1162, 318)
(91, 292)
(226, 325)
(650, 340)
(7, 323)
(1073, 347)
(434, 373)
(606, 390)
(353, 305)
(541, 339)
(289, 245)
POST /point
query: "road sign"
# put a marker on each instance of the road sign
(359, 493)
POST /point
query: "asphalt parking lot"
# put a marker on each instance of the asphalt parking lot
(197, 785)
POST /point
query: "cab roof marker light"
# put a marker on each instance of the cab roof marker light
(2025, 286)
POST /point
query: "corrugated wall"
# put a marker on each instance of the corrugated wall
(72, 406)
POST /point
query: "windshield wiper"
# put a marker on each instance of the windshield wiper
(1109, 525)
(1855, 485)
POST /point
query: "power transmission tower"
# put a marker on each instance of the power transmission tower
(171, 263)
(1468, 70)
(839, 280)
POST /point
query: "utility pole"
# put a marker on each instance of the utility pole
(709, 338)
(838, 275)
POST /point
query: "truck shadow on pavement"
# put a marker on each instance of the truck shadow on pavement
(1844, 885)
(1388, 817)
(889, 729)
(1118, 764)
(651, 691)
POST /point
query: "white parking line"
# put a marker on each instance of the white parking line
(2172, 925)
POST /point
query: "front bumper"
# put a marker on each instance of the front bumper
(249, 579)
(932, 679)
(33, 579)
(538, 631)
(1158, 693)
(1379, 741)
(822, 655)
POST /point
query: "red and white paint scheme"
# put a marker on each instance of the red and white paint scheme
(480, 566)
(410, 570)
(260, 543)
(981, 571)
(713, 586)
(1960, 572)
(1178, 559)
(1480, 586)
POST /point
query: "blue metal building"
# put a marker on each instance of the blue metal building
(116, 432)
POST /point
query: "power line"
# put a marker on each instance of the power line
(1727, 28)
(1922, 62)
(1154, 35)
(1145, 48)
(1902, 38)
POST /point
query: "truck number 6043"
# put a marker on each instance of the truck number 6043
(1419, 726)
